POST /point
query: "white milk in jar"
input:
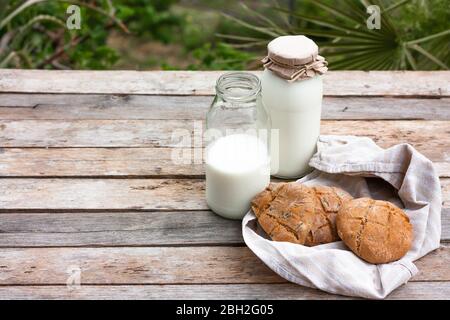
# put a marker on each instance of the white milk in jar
(237, 168)
(292, 92)
(237, 159)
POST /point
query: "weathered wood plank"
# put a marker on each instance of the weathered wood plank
(285, 291)
(96, 162)
(128, 229)
(445, 221)
(155, 133)
(443, 169)
(434, 265)
(116, 107)
(404, 83)
(148, 107)
(118, 229)
(161, 265)
(91, 133)
(117, 162)
(445, 185)
(102, 194)
(42, 195)
(158, 265)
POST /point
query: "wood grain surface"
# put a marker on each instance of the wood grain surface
(154, 107)
(359, 83)
(114, 229)
(285, 291)
(156, 133)
(87, 180)
(125, 162)
(162, 265)
(113, 194)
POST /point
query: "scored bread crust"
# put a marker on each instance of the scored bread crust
(376, 231)
(296, 213)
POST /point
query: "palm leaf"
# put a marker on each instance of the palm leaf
(429, 56)
(349, 52)
(348, 45)
(430, 37)
(357, 57)
(326, 23)
(346, 41)
(334, 11)
(283, 17)
(239, 38)
(387, 28)
(386, 20)
(395, 6)
(249, 44)
(356, 9)
(380, 62)
(410, 58)
(264, 30)
(333, 35)
(263, 18)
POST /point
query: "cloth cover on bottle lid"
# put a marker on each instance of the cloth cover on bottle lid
(294, 58)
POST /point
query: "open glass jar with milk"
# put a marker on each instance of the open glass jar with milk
(292, 93)
(237, 152)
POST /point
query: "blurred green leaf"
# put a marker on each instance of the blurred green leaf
(221, 34)
(348, 44)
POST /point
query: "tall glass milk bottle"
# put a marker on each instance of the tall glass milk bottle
(237, 161)
(292, 93)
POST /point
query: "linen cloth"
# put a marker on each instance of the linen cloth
(399, 174)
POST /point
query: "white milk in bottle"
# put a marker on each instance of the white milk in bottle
(237, 160)
(292, 92)
(237, 168)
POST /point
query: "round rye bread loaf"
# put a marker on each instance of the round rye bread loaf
(376, 231)
(296, 213)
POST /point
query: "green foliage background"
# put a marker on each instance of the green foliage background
(221, 34)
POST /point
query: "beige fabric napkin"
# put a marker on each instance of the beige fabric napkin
(399, 174)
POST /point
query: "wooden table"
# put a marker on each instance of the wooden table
(87, 183)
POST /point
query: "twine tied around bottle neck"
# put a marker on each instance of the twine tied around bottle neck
(301, 70)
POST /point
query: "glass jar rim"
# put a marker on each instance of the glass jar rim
(250, 83)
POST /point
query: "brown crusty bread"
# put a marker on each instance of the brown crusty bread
(376, 231)
(296, 213)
